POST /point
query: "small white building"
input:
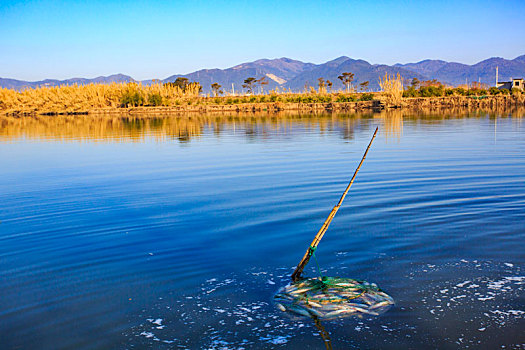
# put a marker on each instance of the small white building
(514, 83)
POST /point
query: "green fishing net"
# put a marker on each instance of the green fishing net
(332, 297)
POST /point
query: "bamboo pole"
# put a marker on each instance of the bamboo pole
(299, 269)
(323, 333)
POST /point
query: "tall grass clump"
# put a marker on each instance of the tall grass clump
(83, 98)
(392, 87)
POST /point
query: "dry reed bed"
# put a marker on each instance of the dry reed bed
(162, 98)
(76, 99)
(83, 98)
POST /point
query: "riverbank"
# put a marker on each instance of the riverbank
(375, 105)
(377, 102)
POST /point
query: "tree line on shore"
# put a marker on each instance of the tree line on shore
(434, 88)
(75, 98)
(413, 88)
(324, 85)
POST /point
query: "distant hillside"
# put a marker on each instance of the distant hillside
(425, 67)
(363, 71)
(457, 73)
(277, 71)
(21, 84)
(293, 74)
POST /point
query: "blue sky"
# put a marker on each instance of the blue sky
(155, 39)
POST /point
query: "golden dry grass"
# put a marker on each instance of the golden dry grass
(392, 87)
(70, 99)
(75, 99)
(81, 98)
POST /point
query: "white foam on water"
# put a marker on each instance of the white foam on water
(508, 312)
(147, 334)
(462, 284)
(279, 340)
(484, 300)
(482, 296)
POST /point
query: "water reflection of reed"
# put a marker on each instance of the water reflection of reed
(125, 128)
(392, 122)
(182, 128)
(98, 128)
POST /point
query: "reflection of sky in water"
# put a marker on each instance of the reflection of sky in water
(136, 236)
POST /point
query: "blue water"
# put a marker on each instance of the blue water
(175, 232)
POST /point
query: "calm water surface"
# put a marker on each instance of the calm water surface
(172, 232)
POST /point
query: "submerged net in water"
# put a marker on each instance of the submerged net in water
(332, 297)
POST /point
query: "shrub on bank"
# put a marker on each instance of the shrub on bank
(438, 91)
(515, 91)
(155, 99)
(460, 91)
(431, 91)
(410, 92)
(132, 98)
(345, 98)
(494, 91)
(366, 97)
(274, 98)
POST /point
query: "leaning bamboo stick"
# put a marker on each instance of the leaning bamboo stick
(299, 269)
(323, 333)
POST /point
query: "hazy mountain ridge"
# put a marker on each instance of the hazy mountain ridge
(458, 73)
(425, 67)
(293, 74)
(21, 84)
(283, 68)
(363, 71)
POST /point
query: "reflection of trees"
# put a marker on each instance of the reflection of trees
(184, 128)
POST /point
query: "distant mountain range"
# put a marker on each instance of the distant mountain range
(21, 84)
(295, 75)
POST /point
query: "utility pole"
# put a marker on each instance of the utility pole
(496, 76)
(233, 90)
